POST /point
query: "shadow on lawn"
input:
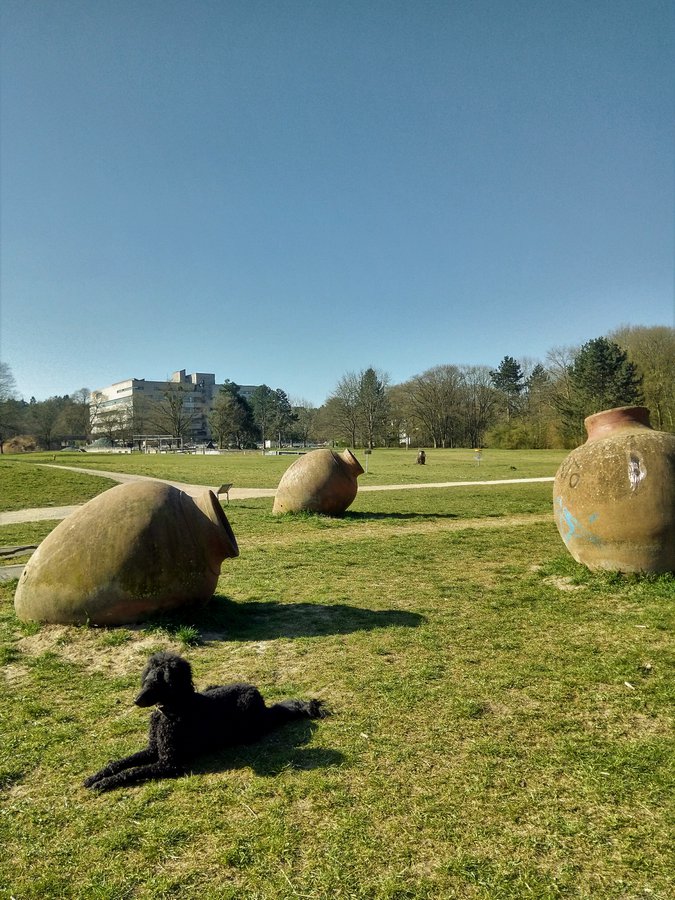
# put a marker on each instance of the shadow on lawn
(224, 619)
(360, 516)
(281, 750)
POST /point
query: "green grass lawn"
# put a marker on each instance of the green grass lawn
(252, 469)
(501, 719)
(25, 485)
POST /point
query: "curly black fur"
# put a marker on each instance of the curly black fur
(186, 723)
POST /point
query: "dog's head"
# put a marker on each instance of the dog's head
(166, 678)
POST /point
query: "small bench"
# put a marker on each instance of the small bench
(224, 489)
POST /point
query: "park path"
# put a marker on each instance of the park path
(194, 490)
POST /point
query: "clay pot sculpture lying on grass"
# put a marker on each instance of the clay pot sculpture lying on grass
(136, 550)
(614, 497)
(321, 481)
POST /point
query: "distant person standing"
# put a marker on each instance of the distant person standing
(421, 458)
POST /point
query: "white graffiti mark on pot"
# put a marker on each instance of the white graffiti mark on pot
(636, 471)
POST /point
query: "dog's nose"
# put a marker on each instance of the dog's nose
(144, 698)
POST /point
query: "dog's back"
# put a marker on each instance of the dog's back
(237, 711)
(219, 717)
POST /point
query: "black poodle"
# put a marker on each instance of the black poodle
(187, 723)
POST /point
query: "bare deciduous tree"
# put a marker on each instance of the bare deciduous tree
(10, 410)
(342, 408)
(305, 418)
(479, 400)
(433, 401)
(173, 414)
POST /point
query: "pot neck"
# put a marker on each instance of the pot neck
(351, 462)
(610, 421)
(222, 531)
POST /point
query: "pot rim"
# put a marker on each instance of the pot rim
(216, 514)
(606, 421)
(352, 461)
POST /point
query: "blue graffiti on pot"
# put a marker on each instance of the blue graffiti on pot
(570, 527)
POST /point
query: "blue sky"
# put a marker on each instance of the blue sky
(283, 191)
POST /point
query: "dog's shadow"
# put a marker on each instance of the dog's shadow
(223, 619)
(275, 753)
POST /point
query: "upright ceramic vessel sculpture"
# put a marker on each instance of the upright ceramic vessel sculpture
(614, 497)
(136, 550)
(321, 481)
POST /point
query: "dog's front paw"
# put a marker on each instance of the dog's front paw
(318, 709)
(99, 785)
(96, 781)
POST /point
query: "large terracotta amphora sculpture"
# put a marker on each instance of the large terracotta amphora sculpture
(614, 497)
(321, 481)
(136, 550)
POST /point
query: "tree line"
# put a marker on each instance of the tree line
(519, 404)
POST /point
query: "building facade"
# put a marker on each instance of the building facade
(137, 409)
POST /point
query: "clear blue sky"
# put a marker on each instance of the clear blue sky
(283, 191)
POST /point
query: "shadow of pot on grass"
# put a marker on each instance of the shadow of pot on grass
(223, 619)
(357, 516)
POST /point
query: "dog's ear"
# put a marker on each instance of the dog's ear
(178, 672)
(164, 663)
(153, 663)
(166, 676)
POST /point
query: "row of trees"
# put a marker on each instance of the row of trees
(519, 404)
(46, 423)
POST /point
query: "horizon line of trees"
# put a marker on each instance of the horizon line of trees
(519, 404)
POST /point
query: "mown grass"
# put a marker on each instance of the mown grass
(252, 469)
(501, 727)
(420, 510)
(379, 511)
(25, 485)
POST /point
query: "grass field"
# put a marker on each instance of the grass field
(501, 719)
(252, 469)
(24, 485)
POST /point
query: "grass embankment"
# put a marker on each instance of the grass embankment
(501, 728)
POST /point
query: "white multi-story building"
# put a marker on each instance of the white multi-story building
(135, 408)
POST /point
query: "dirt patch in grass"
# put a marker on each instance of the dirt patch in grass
(87, 648)
(14, 674)
(102, 651)
(563, 583)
